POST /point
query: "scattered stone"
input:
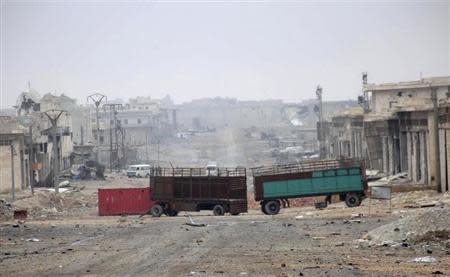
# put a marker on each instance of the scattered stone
(426, 259)
(356, 215)
(432, 224)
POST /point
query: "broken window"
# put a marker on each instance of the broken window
(139, 121)
(102, 139)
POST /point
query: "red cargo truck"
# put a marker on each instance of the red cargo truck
(222, 190)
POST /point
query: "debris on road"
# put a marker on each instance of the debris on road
(192, 223)
(426, 259)
(433, 224)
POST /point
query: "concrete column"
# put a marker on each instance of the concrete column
(391, 157)
(409, 154)
(414, 162)
(423, 159)
(352, 144)
(358, 144)
(442, 158)
(385, 155)
(445, 186)
(435, 175)
(403, 153)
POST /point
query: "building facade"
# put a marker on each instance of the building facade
(401, 129)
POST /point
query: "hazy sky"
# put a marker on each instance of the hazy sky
(243, 49)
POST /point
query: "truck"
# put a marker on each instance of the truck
(222, 190)
(275, 185)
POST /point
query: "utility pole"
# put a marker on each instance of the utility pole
(97, 98)
(320, 125)
(13, 181)
(113, 154)
(53, 116)
(31, 159)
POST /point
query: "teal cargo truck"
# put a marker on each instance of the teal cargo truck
(275, 185)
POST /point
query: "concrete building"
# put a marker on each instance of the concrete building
(344, 135)
(400, 127)
(14, 164)
(134, 125)
(30, 111)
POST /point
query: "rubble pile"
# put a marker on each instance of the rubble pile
(433, 224)
(417, 198)
(46, 203)
(6, 210)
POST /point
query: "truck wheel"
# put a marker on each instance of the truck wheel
(156, 211)
(218, 210)
(272, 207)
(352, 200)
(263, 209)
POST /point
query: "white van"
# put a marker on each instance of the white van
(212, 169)
(138, 170)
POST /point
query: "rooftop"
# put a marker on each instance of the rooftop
(422, 83)
(11, 125)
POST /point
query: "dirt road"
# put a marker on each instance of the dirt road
(252, 245)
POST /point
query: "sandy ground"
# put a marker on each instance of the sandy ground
(297, 242)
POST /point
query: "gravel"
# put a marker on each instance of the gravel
(432, 224)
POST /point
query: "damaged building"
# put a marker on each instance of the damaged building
(14, 163)
(401, 129)
(344, 134)
(129, 128)
(30, 137)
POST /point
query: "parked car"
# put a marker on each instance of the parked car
(138, 170)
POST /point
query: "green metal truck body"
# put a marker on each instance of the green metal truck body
(279, 183)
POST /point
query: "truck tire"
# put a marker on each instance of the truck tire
(218, 210)
(352, 200)
(263, 209)
(157, 210)
(272, 207)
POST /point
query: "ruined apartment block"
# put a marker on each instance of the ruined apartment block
(27, 137)
(399, 127)
(129, 128)
(345, 135)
